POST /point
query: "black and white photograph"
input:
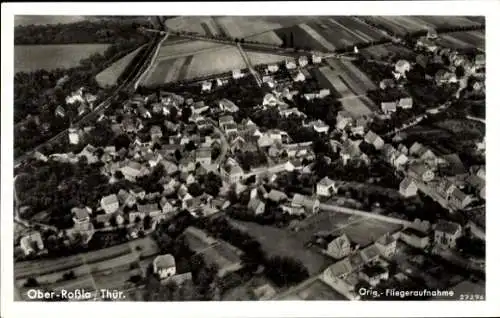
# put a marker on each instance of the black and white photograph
(229, 157)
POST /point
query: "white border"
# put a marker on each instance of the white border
(253, 309)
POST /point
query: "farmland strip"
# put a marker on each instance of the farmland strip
(220, 28)
(207, 29)
(315, 35)
(173, 73)
(185, 67)
(349, 30)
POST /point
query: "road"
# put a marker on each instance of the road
(130, 82)
(249, 65)
(481, 120)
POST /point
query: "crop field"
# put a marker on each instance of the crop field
(281, 242)
(300, 38)
(357, 106)
(257, 58)
(186, 48)
(357, 28)
(213, 62)
(387, 23)
(336, 82)
(29, 58)
(354, 78)
(187, 23)
(269, 37)
(448, 21)
(111, 74)
(324, 82)
(339, 34)
(165, 71)
(473, 39)
(244, 26)
(317, 36)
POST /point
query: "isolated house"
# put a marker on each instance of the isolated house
(326, 187)
(81, 215)
(388, 107)
(164, 266)
(386, 245)
(408, 187)
(303, 61)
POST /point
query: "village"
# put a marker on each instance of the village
(193, 171)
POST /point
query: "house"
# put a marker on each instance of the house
(408, 187)
(237, 74)
(199, 107)
(231, 172)
(164, 266)
(132, 171)
(386, 245)
(110, 203)
(432, 34)
(344, 119)
(323, 93)
(256, 206)
(204, 156)
(399, 160)
(373, 274)
(31, 243)
(480, 60)
(74, 136)
(316, 59)
(81, 215)
(427, 44)
(269, 100)
(320, 127)
(155, 132)
(414, 237)
(387, 83)
(420, 172)
(298, 76)
(225, 120)
(303, 61)
(311, 205)
(273, 68)
(459, 200)
(350, 151)
(370, 254)
(375, 140)
(228, 106)
(187, 164)
(326, 187)
(422, 60)
(277, 196)
(339, 247)
(293, 210)
(290, 65)
(446, 233)
(264, 292)
(269, 80)
(60, 111)
(388, 107)
(340, 269)
(126, 198)
(206, 86)
(170, 167)
(402, 66)
(478, 184)
(405, 103)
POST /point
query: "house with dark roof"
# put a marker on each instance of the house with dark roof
(374, 274)
(414, 237)
(446, 233)
(256, 206)
(164, 266)
(311, 205)
(339, 247)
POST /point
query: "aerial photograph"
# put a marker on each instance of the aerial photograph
(240, 158)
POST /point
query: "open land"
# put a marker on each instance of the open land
(280, 242)
(269, 37)
(474, 39)
(111, 74)
(244, 26)
(214, 62)
(257, 58)
(29, 58)
(385, 50)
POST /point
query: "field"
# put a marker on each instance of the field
(357, 28)
(368, 230)
(385, 50)
(170, 51)
(300, 38)
(187, 23)
(317, 36)
(29, 58)
(280, 242)
(244, 26)
(106, 268)
(165, 71)
(257, 58)
(111, 74)
(473, 39)
(46, 19)
(357, 81)
(213, 62)
(269, 37)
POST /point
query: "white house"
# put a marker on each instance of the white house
(272, 68)
(316, 59)
(110, 203)
(405, 103)
(290, 65)
(326, 187)
(206, 86)
(402, 66)
(237, 74)
(303, 61)
(164, 266)
(408, 187)
(74, 136)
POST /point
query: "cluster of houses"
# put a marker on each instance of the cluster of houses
(370, 264)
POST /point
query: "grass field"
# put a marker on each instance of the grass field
(318, 290)
(281, 242)
(213, 62)
(29, 58)
(354, 78)
(357, 106)
(111, 74)
(187, 23)
(334, 33)
(362, 30)
(186, 48)
(448, 21)
(368, 230)
(385, 50)
(335, 81)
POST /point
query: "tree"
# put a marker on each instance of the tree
(292, 44)
(31, 282)
(147, 222)
(118, 175)
(69, 275)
